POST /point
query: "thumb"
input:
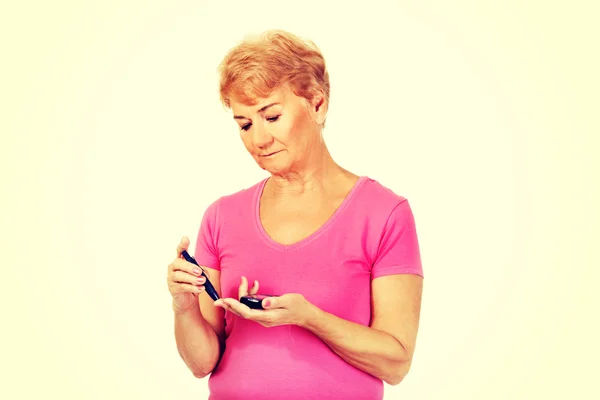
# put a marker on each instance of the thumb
(184, 243)
(243, 288)
(272, 302)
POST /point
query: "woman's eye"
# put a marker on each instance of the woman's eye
(270, 119)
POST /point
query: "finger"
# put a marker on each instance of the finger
(272, 302)
(184, 277)
(229, 309)
(221, 303)
(240, 309)
(184, 243)
(254, 289)
(177, 288)
(243, 289)
(179, 264)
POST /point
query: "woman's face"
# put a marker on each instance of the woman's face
(281, 131)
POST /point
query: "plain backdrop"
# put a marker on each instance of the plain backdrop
(483, 114)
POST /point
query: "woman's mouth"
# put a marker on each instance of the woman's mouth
(270, 154)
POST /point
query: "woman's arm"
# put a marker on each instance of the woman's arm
(200, 332)
(384, 349)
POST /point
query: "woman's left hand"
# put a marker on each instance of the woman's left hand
(287, 309)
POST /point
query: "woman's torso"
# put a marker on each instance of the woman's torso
(329, 264)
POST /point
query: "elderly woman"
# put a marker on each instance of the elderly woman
(336, 253)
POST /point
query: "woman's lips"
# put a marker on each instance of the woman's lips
(270, 154)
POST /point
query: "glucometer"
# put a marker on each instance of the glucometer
(210, 289)
(254, 301)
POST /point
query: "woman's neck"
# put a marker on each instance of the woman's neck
(318, 177)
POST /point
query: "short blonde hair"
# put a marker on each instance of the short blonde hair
(261, 64)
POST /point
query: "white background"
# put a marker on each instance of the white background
(483, 114)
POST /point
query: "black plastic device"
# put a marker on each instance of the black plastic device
(254, 301)
(210, 289)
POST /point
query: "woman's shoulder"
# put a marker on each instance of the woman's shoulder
(379, 194)
(376, 203)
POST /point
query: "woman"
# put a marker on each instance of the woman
(336, 252)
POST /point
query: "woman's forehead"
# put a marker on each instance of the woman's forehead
(278, 97)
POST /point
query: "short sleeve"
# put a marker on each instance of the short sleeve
(206, 252)
(398, 251)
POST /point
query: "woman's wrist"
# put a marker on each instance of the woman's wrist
(310, 317)
(185, 311)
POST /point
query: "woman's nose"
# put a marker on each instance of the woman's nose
(261, 137)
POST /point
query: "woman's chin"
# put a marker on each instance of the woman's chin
(274, 168)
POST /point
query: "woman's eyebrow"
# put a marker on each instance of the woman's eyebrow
(263, 109)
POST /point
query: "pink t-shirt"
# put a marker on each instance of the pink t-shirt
(372, 234)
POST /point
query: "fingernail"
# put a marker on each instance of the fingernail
(201, 279)
(267, 303)
(197, 271)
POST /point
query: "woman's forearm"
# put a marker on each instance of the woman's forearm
(197, 343)
(368, 349)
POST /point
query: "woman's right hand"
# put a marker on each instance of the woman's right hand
(185, 280)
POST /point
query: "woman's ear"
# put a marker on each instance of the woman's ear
(319, 108)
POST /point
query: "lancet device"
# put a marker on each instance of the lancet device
(210, 289)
